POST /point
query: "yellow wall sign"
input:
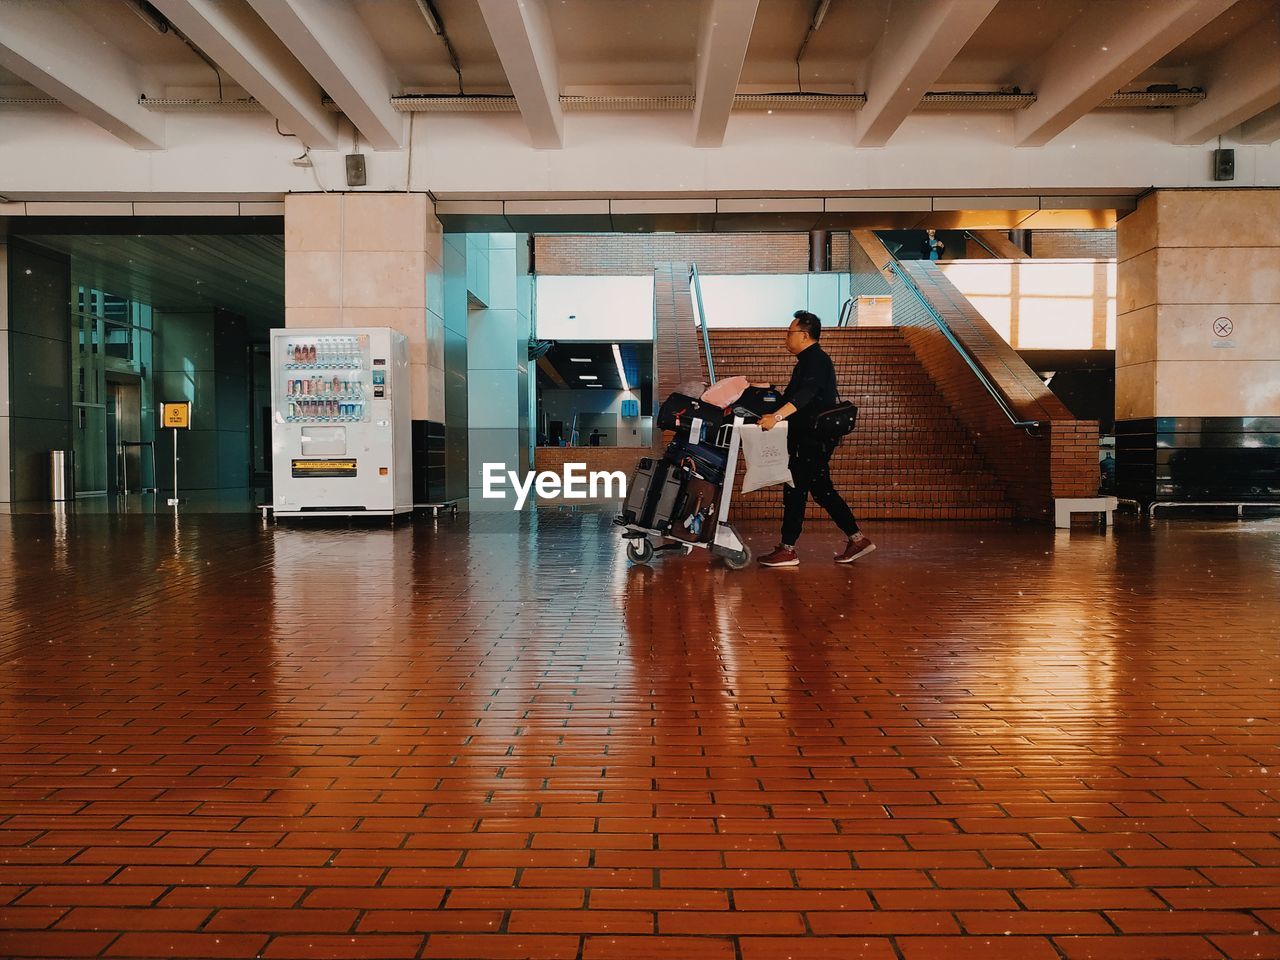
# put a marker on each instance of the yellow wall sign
(175, 416)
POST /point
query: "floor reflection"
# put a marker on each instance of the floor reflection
(489, 735)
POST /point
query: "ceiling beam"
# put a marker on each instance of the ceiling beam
(918, 43)
(521, 33)
(329, 40)
(1264, 128)
(1243, 82)
(58, 53)
(722, 48)
(257, 60)
(547, 367)
(1101, 52)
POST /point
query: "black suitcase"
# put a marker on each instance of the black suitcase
(638, 493)
(708, 460)
(678, 411)
(665, 498)
(655, 494)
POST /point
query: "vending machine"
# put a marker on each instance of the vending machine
(340, 422)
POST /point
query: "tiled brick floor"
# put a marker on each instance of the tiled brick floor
(490, 738)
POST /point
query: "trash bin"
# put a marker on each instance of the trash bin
(62, 475)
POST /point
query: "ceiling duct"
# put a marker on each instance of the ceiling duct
(1154, 98)
(800, 102)
(499, 103)
(610, 104)
(975, 100)
(195, 105)
(454, 103)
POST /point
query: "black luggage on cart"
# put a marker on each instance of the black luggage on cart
(638, 492)
(757, 401)
(681, 497)
(654, 494)
(706, 459)
(678, 411)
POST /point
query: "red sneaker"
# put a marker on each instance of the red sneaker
(781, 557)
(858, 546)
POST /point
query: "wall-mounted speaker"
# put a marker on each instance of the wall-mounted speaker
(356, 175)
(1224, 164)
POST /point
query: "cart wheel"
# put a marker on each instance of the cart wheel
(736, 561)
(639, 550)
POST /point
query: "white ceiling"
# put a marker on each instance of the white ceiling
(320, 68)
(633, 45)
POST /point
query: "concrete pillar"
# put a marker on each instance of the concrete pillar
(498, 369)
(376, 260)
(1198, 346)
(6, 470)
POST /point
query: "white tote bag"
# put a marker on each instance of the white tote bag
(765, 452)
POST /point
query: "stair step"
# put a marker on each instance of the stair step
(909, 457)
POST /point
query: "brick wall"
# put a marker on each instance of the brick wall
(840, 261)
(1068, 244)
(596, 458)
(630, 254)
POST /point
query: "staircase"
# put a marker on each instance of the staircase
(909, 458)
(678, 354)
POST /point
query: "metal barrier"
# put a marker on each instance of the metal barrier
(1239, 505)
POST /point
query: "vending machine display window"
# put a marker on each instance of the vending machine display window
(325, 379)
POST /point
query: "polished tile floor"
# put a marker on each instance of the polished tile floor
(487, 737)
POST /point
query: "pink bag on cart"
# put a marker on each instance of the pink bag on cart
(725, 392)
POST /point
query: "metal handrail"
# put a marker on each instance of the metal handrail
(970, 235)
(846, 313)
(701, 319)
(996, 394)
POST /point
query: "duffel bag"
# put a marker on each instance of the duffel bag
(836, 422)
(679, 410)
(757, 401)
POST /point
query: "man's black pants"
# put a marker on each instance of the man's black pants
(811, 476)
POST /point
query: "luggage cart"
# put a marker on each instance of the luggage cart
(643, 543)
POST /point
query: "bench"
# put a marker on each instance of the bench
(1064, 507)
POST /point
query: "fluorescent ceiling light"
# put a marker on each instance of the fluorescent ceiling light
(580, 359)
(598, 386)
(587, 376)
(622, 374)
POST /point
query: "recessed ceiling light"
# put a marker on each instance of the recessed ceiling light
(622, 374)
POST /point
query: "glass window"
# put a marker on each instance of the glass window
(119, 341)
